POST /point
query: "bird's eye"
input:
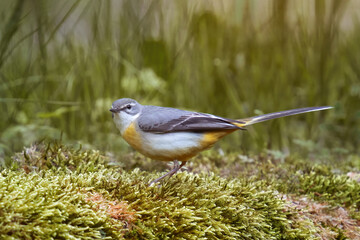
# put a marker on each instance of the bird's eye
(128, 107)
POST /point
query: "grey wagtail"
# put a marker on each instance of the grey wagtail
(170, 134)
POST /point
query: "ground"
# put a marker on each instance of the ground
(55, 191)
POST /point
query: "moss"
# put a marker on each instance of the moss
(58, 157)
(337, 190)
(61, 192)
(46, 207)
(293, 175)
(210, 207)
(47, 204)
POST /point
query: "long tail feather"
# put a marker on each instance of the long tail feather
(252, 120)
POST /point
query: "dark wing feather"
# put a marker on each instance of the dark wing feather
(165, 120)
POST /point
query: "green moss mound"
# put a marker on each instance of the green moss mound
(210, 207)
(54, 191)
(44, 206)
(52, 205)
(330, 183)
(48, 197)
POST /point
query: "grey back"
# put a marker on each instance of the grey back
(164, 120)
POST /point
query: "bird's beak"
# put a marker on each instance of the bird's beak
(112, 110)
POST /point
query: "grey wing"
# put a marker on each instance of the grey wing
(164, 120)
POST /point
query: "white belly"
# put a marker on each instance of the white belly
(171, 146)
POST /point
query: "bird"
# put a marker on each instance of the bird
(171, 134)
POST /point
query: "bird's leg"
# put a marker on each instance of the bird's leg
(176, 168)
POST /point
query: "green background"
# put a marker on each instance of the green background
(62, 64)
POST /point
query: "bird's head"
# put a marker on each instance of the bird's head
(124, 112)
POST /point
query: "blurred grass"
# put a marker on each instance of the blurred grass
(62, 63)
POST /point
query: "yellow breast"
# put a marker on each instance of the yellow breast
(133, 137)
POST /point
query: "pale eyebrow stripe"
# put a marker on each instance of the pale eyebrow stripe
(125, 105)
